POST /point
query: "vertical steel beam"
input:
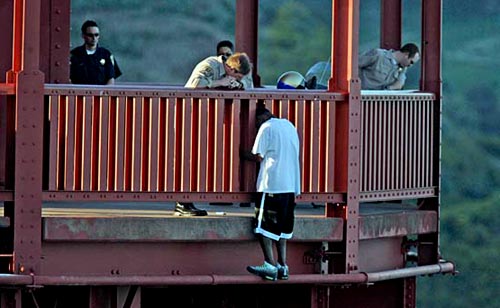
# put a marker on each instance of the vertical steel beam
(45, 34)
(345, 45)
(320, 297)
(5, 64)
(247, 24)
(431, 82)
(410, 292)
(390, 24)
(345, 42)
(28, 144)
(6, 38)
(55, 42)
(431, 46)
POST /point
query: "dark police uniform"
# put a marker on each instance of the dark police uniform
(97, 68)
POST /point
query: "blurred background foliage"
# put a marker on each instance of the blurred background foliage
(161, 41)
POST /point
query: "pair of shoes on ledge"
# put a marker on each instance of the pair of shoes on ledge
(188, 209)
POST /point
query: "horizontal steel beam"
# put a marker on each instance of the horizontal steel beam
(398, 194)
(358, 278)
(181, 92)
(113, 196)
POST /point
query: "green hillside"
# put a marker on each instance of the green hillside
(161, 41)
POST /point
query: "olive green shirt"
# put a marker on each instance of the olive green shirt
(378, 69)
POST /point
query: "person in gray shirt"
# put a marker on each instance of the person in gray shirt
(382, 69)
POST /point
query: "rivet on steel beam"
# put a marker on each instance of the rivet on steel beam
(58, 46)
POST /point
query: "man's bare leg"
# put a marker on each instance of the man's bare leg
(267, 249)
(281, 245)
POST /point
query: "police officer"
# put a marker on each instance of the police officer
(91, 64)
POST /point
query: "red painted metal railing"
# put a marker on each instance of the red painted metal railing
(396, 145)
(171, 140)
(136, 142)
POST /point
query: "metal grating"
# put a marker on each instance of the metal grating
(396, 145)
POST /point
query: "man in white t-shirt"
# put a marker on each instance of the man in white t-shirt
(276, 147)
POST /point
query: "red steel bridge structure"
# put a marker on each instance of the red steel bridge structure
(372, 158)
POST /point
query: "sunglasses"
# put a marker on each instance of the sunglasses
(92, 34)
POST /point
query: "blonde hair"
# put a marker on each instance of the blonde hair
(239, 62)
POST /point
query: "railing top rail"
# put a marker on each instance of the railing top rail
(179, 91)
(391, 94)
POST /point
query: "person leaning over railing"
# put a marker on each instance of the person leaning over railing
(226, 49)
(215, 73)
(382, 69)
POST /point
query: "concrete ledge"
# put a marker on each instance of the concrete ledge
(126, 229)
(397, 224)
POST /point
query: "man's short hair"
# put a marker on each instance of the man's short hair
(411, 49)
(225, 43)
(240, 62)
(88, 23)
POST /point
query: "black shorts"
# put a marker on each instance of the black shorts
(274, 215)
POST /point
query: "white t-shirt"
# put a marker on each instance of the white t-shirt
(277, 142)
